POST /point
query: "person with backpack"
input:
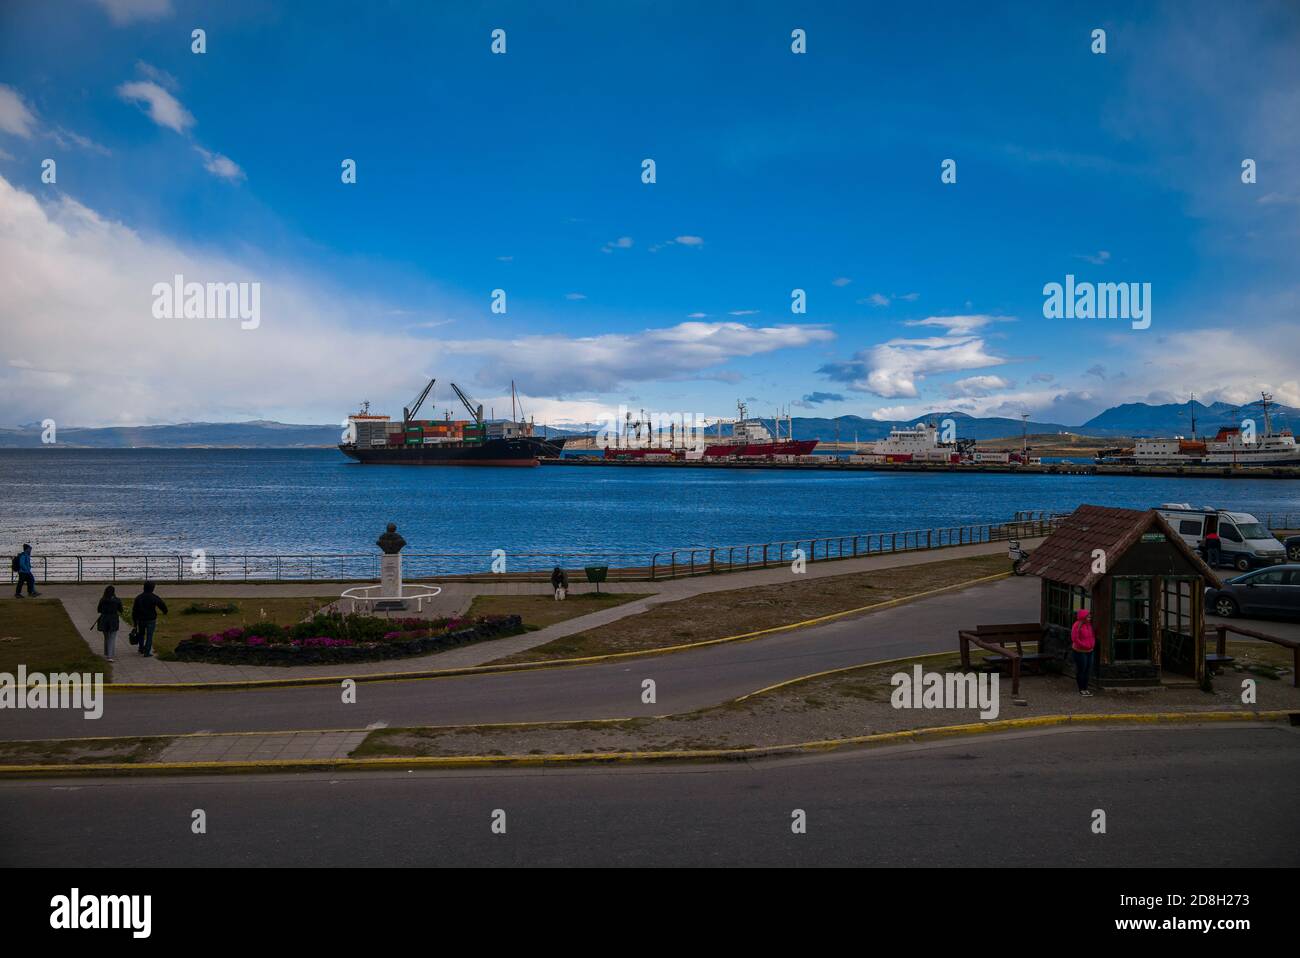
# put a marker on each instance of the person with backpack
(144, 617)
(22, 564)
(110, 620)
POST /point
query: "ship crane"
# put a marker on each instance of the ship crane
(409, 413)
(475, 410)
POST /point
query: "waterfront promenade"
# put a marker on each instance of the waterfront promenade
(132, 669)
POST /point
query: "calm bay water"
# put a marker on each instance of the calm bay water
(163, 501)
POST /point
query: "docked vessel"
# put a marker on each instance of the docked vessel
(1231, 446)
(376, 439)
(750, 440)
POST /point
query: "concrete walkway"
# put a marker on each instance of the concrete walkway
(261, 747)
(131, 668)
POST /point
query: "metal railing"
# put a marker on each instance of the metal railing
(526, 566)
(678, 563)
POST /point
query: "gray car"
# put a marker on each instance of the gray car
(1274, 591)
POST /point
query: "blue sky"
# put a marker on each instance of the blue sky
(775, 171)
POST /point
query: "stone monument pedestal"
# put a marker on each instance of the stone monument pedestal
(390, 579)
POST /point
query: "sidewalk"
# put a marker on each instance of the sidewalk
(132, 669)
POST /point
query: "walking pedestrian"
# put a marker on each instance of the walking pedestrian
(110, 620)
(1213, 550)
(22, 564)
(144, 616)
(1082, 645)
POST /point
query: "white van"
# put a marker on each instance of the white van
(1243, 540)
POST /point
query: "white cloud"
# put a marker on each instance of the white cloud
(1099, 258)
(895, 368)
(689, 240)
(841, 281)
(959, 325)
(163, 108)
(575, 296)
(126, 11)
(15, 116)
(979, 385)
(82, 346)
(742, 312)
(558, 364)
(218, 165)
(623, 242)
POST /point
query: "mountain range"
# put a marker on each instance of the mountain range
(1129, 419)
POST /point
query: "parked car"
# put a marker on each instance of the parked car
(1292, 546)
(1265, 592)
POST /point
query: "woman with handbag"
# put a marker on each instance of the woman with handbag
(109, 621)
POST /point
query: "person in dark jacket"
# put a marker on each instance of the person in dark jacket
(559, 581)
(110, 620)
(144, 616)
(25, 572)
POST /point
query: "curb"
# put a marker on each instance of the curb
(618, 758)
(307, 682)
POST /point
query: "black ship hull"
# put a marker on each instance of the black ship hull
(494, 452)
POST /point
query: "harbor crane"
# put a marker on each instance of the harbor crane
(409, 412)
(475, 409)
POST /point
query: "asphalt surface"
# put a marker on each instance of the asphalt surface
(1175, 796)
(684, 680)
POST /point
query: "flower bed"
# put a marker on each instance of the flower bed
(327, 638)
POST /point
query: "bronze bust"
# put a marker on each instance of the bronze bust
(390, 541)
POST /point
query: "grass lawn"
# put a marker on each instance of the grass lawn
(716, 615)
(83, 751)
(539, 611)
(37, 633)
(177, 625)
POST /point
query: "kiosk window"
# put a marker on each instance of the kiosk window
(1131, 631)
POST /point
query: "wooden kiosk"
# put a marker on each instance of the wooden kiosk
(1144, 586)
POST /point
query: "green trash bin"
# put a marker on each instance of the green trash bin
(597, 574)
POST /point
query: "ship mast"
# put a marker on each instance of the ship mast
(1268, 425)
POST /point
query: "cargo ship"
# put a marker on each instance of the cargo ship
(750, 440)
(376, 439)
(1229, 447)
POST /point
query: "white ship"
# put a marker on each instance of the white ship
(1231, 446)
(919, 443)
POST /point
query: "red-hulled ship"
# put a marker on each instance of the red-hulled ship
(750, 439)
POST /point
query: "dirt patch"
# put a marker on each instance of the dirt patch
(83, 751)
(843, 705)
(715, 615)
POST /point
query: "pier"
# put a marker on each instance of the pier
(837, 465)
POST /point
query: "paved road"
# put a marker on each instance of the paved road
(684, 680)
(1015, 800)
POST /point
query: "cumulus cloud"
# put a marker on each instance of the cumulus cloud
(893, 369)
(817, 398)
(82, 345)
(163, 108)
(15, 116)
(218, 165)
(556, 364)
(979, 386)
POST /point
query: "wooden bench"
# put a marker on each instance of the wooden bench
(998, 639)
(1217, 663)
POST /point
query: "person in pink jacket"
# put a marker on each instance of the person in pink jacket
(1082, 645)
